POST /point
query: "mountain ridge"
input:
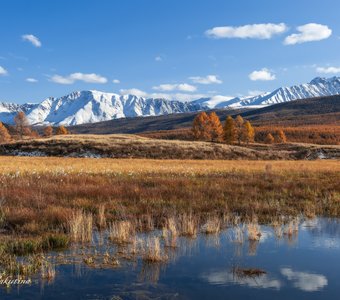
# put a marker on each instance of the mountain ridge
(92, 106)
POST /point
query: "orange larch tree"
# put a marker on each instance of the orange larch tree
(248, 133)
(48, 131)
(61, 130)
(200, 127)
(229, 133)
(239, 128)
(269, 139)
(4, 134)
(215, 127)
(280, 137)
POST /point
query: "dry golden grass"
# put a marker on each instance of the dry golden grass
(132, 146)
(81, 227)
(212, 226)
(254, 232)
(58, 165)
(153, 250)
(121, 232)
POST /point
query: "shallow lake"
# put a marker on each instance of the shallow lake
(303, 266)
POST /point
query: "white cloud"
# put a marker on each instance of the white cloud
(31, 80)
(225, 277)
(255, 93)
(32, 39)
(253, 31)
(116, 81)
(308, 33)
(305, 281)
(328, 70)
(209, 79)
(263, 74)
(3, 71)
(178, 96)
(133, 91)
(158, 58)
(183, 87)
(72, 78)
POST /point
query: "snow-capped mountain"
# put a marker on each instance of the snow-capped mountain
(316, 88)
(94, 106)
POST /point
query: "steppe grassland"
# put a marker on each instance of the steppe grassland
(60, 165)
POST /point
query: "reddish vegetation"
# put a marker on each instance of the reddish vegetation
(313, 134)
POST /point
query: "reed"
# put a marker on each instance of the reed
(170, 232)
(101, 217)
(48, 271)
(81, 227)
(121, 232)
(254, 232)
(153, 251)
(292, 228)
(212, 225)
(188, 225)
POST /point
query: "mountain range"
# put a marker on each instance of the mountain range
(84, 107)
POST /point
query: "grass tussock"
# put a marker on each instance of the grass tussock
(254, 232)
(212, 225)
(170, 232)
(121, 232)
(153, 251)
(81, 227)
(188, 224)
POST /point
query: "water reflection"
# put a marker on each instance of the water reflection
(227, 277)
(203, 266)
(305, 281)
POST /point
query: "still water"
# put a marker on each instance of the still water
(303, 266)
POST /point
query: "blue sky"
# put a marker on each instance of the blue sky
(164, 47)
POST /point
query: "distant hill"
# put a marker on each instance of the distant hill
(314, 111)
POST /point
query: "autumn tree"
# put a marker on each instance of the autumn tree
(248, 132)
(61, 130)
(229, 131)
(34, 134)
(239, 128)
(269, 139)
(21, 124)
(48, 131)
(4, 134)
(280, 137)
(200, 127)
(215, 127)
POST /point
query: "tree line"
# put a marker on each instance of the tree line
(208, 127)
(22, 130)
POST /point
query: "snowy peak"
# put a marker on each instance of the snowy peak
(82, 107)
(316, 88)
(92, 106)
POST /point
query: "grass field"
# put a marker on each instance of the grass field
(40, 195)
(49, 203)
